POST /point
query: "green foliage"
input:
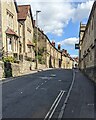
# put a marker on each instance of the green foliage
(41, 52)
(40, 59)
(9, 59)
(8, 73)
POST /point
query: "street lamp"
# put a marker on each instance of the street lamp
(37, 38)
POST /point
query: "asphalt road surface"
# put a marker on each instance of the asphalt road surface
(55, 93)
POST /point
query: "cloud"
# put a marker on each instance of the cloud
(82, 11)
(74, 56)
(55, 16)
(53, 19)
(69, 41)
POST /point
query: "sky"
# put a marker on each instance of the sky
(60, 20)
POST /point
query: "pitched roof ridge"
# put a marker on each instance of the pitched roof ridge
(24, 5)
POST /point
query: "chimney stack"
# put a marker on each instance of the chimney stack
(34, 23)
(53, 43)
(59, 47)
(64, 51)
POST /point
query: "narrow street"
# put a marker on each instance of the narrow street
(55, 93)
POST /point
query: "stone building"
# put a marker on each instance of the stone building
(17, 30)
(67, 61)
(17, 34)
(25, 21)
(0, 34)
(9, 29)
(64, 58)
(26, 42)
(76, 61)
(51, 56)
(41, 44)
(87, 41)
(18, 39)
(81, 33)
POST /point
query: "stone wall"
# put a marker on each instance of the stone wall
(1, 69)
(21, 69)
(26, 66)
(15, 69)
(41, 66)
(91, 73)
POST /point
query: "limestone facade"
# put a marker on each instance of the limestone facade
(25, 20)
(87, 56)
(9, 27)
(18, 36)
(53, 57)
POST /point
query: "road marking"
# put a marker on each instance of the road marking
(59, 80)
(43, 78)
(37, 87)
(90, 104)
(43, 89)
(72, 111)
(66, 99)
(54, 106)
(42, 83)
(53, 75)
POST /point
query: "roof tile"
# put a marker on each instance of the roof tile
(23, 11)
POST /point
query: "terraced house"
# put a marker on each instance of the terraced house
(87, 41)
(53, 55)
(25, 20)
(26, 44)
(9, 23)
(49, 55)
(18, 39)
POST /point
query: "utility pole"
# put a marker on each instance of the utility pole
(37, 39)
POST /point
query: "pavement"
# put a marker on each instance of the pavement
(27, 73)
(45, 93)
(81, 103)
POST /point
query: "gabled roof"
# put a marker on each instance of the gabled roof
(76, 59)
(16, 5)
(11, 32)
(23, 12)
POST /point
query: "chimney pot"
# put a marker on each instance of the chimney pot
(53, 43)
(59, 46)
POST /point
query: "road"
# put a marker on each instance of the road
(55, 93)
